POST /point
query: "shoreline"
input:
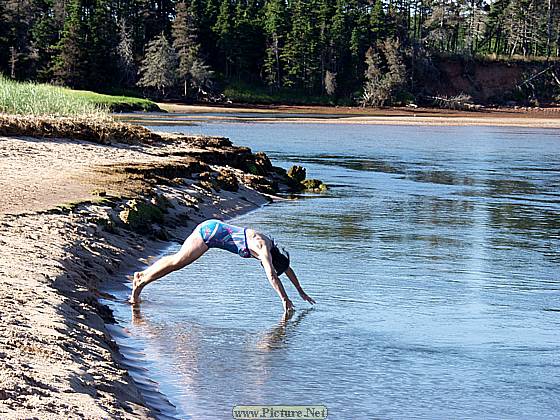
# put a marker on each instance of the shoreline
(59, 359)
(504, 117)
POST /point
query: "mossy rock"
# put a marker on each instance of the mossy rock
(263, 163)
(139, 215)
(314, 185)
(297, 173)
(161, 202)
(207, 185)
(227, 181)
(107, 224)
(260, 184)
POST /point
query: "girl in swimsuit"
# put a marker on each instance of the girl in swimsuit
(246, 243)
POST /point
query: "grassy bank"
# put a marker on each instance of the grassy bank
(25, 98)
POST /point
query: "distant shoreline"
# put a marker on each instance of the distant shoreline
(521, 117)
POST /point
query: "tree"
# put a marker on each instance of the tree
(377, 21)
(385, 74)
(330, 83)
(274, 23)
(71, 64)
(125, 55)
(159, 66)
(300, 51)
(224, 34)
(192, 71)
(20, 17)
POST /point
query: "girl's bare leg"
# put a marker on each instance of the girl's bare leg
(191, 250)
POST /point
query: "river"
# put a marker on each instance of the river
(434, 260)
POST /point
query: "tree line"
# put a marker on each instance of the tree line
(372, 49)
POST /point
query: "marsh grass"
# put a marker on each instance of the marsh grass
(27, 98)
(24, 98)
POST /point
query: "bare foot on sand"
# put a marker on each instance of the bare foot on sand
(136, 288)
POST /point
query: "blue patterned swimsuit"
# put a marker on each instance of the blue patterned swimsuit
(217, 234)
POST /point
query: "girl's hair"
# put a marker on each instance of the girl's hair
(280, 258)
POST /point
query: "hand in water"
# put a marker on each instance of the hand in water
(305, 297)
(288, 306)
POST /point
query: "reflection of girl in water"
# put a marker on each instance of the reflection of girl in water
(246, 243)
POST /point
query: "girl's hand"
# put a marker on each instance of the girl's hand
(305, 297)
(288, 306)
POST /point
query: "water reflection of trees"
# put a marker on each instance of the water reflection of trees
(442, 177)
(501, 187)
(355, 163)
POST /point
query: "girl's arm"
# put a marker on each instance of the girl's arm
(266, 260)
(293, 278)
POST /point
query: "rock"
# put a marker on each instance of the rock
(260, 184)
(314, 185)
(161, 202)
(227, 180)
(139, 215)
(297, 173)
(159, 232)
(263, 162)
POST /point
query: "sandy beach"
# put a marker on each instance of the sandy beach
(66, 227)
(505, 117)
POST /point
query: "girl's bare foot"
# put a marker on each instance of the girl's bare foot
(136, 288)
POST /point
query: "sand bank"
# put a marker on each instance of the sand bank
(57, 359)
(510, 117)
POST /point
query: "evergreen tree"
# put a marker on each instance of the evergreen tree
(339, 37)
(330, 83)
(192, 70)
(274, 23)
(224, 34)
(125, 55)
(3, 37)
(377, 21)
(101, 38)
(44, 37)
(20, 17)
(71, 63)
(185, 42)
(385, 74)
(159, 66)
(300, 51)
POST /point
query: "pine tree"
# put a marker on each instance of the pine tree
(101, 38)
(224, 34)
(300, 51)
(377, 21)
(330, 83)
(185, 43)
(192, 70)
(71, 63)
(20, 17)
(385, 74)
(339, 37)
(159, 66)
(3, 37)
(275, 29)
(125, 55)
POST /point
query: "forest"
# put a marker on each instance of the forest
(372, 52)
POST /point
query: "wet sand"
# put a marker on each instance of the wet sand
(513, 117)
(57, 358)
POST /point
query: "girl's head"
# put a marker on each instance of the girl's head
(280, 259)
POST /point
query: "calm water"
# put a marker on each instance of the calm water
(434, 261)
